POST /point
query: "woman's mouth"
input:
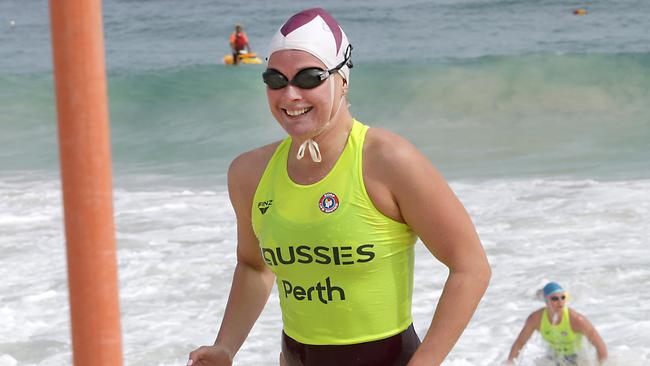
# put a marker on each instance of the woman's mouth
(297, 112)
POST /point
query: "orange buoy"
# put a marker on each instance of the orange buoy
(581, 11)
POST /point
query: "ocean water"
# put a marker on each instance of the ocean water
(538, 118)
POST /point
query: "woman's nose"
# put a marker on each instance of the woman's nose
(292, 92)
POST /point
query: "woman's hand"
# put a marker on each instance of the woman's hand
(210, 356)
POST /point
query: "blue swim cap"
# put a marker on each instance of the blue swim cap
(551, 288)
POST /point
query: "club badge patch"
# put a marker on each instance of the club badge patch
(328, 202)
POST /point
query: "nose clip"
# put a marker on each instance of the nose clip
(314, 151)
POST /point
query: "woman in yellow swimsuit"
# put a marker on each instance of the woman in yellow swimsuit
(331, 215)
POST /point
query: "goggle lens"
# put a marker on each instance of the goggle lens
(274, 79)
(556, 298)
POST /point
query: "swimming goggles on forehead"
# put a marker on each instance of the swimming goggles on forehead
(308, 78)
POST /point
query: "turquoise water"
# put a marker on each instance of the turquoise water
(484, 88)
(493, 116)
(539, 119)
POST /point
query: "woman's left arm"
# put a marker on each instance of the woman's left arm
(428, 205)
(581, 324)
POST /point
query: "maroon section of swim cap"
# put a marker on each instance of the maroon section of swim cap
(307, 16)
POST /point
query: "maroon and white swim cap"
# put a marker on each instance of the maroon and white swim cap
(317, 32)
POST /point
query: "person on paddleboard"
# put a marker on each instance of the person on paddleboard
(332, 214)
(561, 327)
(238, 42)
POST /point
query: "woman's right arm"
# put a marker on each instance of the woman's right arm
(529, 327)
(252, 281)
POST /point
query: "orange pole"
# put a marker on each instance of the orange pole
(84, 148)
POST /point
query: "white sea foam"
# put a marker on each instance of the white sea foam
(176, 252)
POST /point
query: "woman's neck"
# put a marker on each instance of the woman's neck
(331, 139)
(331, 143)
(555, 317)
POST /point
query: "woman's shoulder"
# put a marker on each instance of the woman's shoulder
(248, 167)
(577, 320)
(536, 316)
(388, 149)
(379, 140)
(385, 153)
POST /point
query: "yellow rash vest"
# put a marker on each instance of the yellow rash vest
(344, 270)
(561, 338)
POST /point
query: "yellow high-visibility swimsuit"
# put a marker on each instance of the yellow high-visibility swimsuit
(561, 338)
(344, 270)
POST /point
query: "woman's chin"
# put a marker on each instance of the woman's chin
(298, 129)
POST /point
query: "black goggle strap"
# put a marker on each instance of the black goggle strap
(347, 61)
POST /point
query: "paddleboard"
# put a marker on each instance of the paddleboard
(244, 58)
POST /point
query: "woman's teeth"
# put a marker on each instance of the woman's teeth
(297, 112)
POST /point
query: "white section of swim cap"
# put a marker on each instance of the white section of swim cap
(316, 38)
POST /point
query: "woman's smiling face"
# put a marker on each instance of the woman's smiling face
(302, 113)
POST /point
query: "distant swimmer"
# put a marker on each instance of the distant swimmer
(581, 11)
(561, 327)
(238, 42)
